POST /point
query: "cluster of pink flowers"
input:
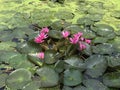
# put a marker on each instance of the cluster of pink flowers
(42, 35)
(76, 39)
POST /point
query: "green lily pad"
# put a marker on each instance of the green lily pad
(6, 55)
(3, 27)
(31, 86)
(96, 65)
(116, 14)
(29, 47)
(59, 66)
(5, 35)
(104, 48)
(48, 77)
(72, 77)
(64, 15)
(75, 62)
(100, 40)
(95, 17)
(3, 77)
(74, 29)
(34, 59)
(18, 78)
(89, 34)
(20, 61)
(50, 57)
(7, 46)
(58, 25)
(80, 88)
(85, 21)
(112, 79)
(55, 34)
(92, 84)
(113, 61)
(67, 88)
(104, 30)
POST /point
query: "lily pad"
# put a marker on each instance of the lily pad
(74, 29)
(100, 40)
(104, 48)
(96, 65)
(104, 30)
(85, 21)
(112, 79)
(18, 78)
(59, 66)
(48, 77)
(3, 77)
(34, 59)
(58, 25)
(95, 85)
(72, 77)
(64, 15)
(29, 47)
(55, 34)
(75, 62)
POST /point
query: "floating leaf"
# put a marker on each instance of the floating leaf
(3, 77)
(96, 65)
(94, 85)
(76, 62)
(18, 78)
(48, 77)
(64, 15)
(104, 48)
(72, 77)
(112, 79)
(55, 34)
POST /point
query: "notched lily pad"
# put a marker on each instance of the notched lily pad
(96, 65)
(100, 40)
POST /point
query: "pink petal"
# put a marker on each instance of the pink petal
(40, 55)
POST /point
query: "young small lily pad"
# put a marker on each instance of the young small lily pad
(96, 65)
(18, 78)
(72, 77)
(48, 77)
(112, 79)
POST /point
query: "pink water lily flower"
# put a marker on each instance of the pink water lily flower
(88, 41)
(78, 35)
(65, 34)
(40, 55)
(44, 30)
(74, 40)
(38, 40)
(82, 46)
